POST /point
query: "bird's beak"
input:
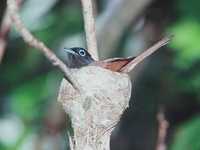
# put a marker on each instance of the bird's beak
(68, 50)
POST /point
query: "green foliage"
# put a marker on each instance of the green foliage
(187, 136)
(186, 42)
(187, 55)
(27, 98)
(186, 45)
(188, 9)
(192, 85)
(57, 24)
(19, 142)
(2, 146)
(186, 31)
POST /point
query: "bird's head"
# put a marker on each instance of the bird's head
(78, 57)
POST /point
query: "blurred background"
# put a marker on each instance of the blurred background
(31, 118)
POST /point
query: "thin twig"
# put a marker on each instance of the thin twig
(162, 131)
(145, 54)
(4, 30)
(90, 30)
(2, 48)
(34, 42)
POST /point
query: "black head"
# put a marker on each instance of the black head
(78, 57)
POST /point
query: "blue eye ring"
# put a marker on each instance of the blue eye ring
(82, 52)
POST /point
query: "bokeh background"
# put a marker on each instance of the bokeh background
(30, 117)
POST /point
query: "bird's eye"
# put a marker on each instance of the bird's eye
(82, 52)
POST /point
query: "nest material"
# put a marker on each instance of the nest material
(97, 108)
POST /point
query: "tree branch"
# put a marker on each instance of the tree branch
(89, 23)
(4, 30)
(162, 130)
(34, 42)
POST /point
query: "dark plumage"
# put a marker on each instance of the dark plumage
(78, 57)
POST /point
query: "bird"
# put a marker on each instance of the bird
(78, 57)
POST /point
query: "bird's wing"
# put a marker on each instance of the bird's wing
(114, 64)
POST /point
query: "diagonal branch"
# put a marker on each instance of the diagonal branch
(89, 23)
(34, 42)
(145, 54)
(4, 30)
